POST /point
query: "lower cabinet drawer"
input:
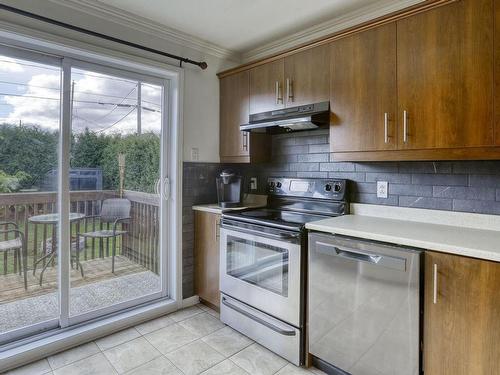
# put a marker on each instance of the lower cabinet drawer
(279, 337)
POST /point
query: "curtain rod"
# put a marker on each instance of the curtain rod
(202, 64)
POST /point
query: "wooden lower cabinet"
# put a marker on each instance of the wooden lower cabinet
(461, 316)
(206, 257)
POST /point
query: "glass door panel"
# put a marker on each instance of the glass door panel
(29, 142)
(115, 191)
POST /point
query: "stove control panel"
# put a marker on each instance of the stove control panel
(308, 187)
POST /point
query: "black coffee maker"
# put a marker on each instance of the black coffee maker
(229, 189)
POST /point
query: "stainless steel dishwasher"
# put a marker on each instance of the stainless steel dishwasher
(364, 306)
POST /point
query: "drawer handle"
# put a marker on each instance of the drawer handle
(249, 315)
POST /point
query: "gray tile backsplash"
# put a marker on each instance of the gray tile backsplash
(467, 186)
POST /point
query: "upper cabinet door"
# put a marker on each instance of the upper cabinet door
(266, 87)
(307, 76)
(234, 110)
(363, 91)
(445, 76)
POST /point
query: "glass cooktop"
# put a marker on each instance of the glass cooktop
(274, 216)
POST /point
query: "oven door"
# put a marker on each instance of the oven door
(263, 271)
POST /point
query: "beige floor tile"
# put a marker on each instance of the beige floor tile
(171, 338)
(36, 368)
(185, 313)
(202, 324)
(131, 354)
(154, 325)
(226, 367)
(209, 310)
(72, 355)
(194, 358)
(227, 341)
(117, 338)
(293, 370)
(93, 365)
(316, 371)
(158, 366)
(257, 360)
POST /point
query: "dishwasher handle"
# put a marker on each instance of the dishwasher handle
(356, 255)
(349, 254)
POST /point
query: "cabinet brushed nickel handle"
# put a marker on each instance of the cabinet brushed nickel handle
(435, 291)
(277, 89)
(405, 126)
(289, 90)
(217, 229)
(386, 127)
(245, 141)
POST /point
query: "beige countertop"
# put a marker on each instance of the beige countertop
(453, 239)
(251, 201)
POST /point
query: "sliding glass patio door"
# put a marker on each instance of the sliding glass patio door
(116, 143)
(83, 191)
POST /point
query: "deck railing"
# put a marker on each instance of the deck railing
(140, 244)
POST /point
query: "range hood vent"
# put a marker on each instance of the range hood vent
(304, 117)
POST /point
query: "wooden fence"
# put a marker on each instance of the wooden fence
(140, 244)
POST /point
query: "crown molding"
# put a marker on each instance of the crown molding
(322, 30)
(112, 14)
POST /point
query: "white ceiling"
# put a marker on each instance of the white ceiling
(243, 25)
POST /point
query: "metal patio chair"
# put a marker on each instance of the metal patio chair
(115, 211)
(16, 244)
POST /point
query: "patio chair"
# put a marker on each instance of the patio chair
(116, 211)
(16, 244)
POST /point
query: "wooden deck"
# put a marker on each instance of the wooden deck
(95, 270)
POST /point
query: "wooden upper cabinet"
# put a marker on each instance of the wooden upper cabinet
(445, 76)
(307, 76)
(461, 320)
(234, 111)
(266, 87)
(363, 91)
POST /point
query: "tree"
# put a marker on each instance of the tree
(28, 149)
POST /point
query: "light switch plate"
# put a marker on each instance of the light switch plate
(195, 154)
(382, 189)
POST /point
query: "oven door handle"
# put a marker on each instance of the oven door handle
(281, 236)
(269, 325)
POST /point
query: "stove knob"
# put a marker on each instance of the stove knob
(271, 184)
(278, 185)
(328, 187)
(337, 188)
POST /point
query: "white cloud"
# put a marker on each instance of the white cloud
(10, 65)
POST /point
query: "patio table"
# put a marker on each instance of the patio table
(52, 219)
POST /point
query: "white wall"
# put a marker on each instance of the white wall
(201, 87)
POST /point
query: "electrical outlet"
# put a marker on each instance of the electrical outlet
(382, 189)
(253, 183)
(195, 154)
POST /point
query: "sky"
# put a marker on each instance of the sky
(30, 95)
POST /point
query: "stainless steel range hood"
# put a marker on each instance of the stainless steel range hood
(304, 117)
